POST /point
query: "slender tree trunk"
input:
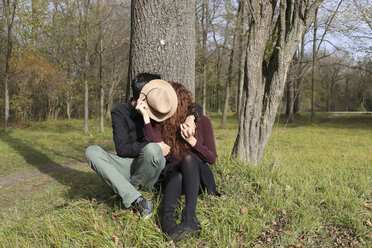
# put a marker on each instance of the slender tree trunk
(86, 103)
(268, 58)
(163, 40)
(68, 104)
(9, 12)
(231, 64)
(204, 87)
(100, 51)
(313, 68)
(102, 94)
(300, 76)
(204, 22)
(218, 70)
(347, 93)
(86, 66)
(6, 94)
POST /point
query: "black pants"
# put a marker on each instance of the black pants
(184, 177)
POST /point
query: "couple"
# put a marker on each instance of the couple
(157, 142)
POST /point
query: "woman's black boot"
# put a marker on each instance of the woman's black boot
(190, 223)
(170, 227)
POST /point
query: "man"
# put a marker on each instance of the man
(138, 163)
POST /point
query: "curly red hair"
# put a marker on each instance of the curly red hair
(170, 128)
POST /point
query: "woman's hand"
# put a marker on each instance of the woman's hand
(190, 139)
(142, 108)
(188, 126)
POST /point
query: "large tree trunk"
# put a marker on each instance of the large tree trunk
(163, 40)
(268, 60)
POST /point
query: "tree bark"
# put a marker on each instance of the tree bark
(243, 53)
(163, 40)
(291, 96)
(300, 76)
(268, 58)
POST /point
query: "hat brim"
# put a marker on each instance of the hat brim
(158, 83)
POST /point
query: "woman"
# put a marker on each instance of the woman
(186, 168)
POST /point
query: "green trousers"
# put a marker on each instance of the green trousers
(127, 175)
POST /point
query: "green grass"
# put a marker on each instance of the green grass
(37, 146)
(312, 189)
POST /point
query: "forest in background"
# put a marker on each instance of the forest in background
(53, 52)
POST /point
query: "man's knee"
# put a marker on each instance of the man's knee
(93, 152)
(153, 151)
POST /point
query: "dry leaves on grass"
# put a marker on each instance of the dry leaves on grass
(115, 239)
(367, 206)
(244, 210)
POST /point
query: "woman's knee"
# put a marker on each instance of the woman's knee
(189, 162)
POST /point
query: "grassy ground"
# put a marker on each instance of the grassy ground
(312, 189)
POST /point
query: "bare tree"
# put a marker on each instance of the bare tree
(238, 28)
(330, 74)
(269, 53)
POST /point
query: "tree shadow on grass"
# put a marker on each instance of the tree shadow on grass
(86, 185)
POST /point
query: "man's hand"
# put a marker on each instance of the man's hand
(164, 147)
(188, 127)
(142, 108)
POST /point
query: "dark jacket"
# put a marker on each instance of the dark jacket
(128, 130)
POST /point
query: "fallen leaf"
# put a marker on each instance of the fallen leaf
(157, 228)
(247, 186)
(367, 206)
(241, 229)
(115, 239)
(368, 222)
(244, 210)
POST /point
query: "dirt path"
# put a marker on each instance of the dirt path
(7, 181)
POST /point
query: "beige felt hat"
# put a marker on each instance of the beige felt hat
(161, 99)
